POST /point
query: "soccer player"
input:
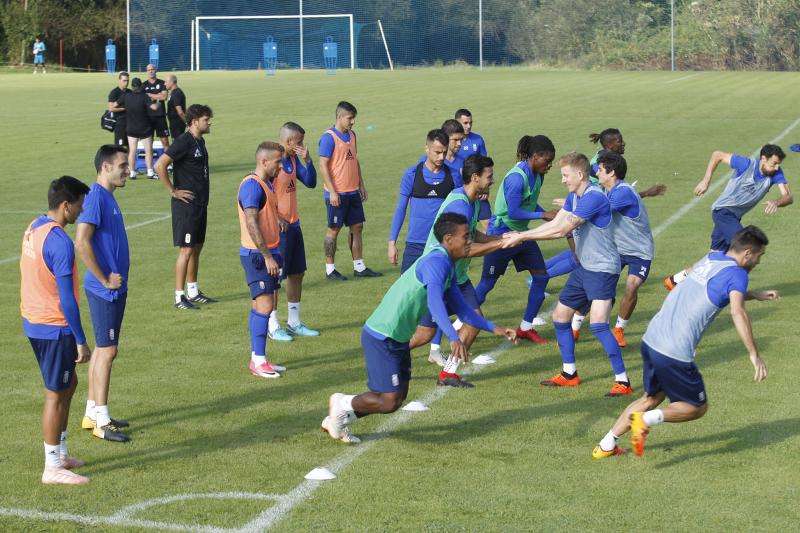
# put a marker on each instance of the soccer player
(464, 201)
(292, 245)
(592, 285)
(751, 181)
(120, 135)
(176, 107)
(472, 143)
(156, 90)
(670, 342)
(51, 319)
(632, 234)
(344, 191)
(454, 159)
(260, 231)
(38, 56)
(102, 244)
(429, 284)
(425, 186)
(610, 139)
(189, 193)
(515, 206)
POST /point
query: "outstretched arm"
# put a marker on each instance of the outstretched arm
(786, 199)
(716, 158)
(742, 322)
(561, 226)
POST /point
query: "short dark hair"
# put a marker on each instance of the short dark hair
(475, 164)
(65, 189)
(537, 144)
(438, 135)
(123, 73)
(197, 111)
(346, 107)
(768, 150)
(749, 238)
(451, 126)
(604, 137)
(106, 154)
(613, 162)
(136, 85)
(447, 224)
(462, 113)
(294, 126)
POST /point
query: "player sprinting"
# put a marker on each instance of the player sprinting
(102, 244)
(516, 204)
(592, 285)
(345, 192)
(751, 181)
(52, 321)
(670, 342)
(632, 234)
(260, 234)
(430, 284)
(292, 246)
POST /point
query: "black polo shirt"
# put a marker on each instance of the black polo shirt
(190, 166)
(156, 87)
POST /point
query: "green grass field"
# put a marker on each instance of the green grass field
(507, 455)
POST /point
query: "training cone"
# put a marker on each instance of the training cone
(484, 359)
(320, 474)
(416, 406)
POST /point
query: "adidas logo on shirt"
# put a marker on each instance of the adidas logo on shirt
(433, 193)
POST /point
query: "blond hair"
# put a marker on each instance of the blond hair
(577, 161)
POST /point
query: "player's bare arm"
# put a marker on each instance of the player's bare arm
(787, 198)
(251, 218)
(83, 245)
(561, 226)
(742, 322)
(362, 190)
(161, 170)
(717, 157)
(326, 179)
(656, 190)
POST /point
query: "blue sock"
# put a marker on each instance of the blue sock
(603, 334)
(484, 286)
(563, 263)
(566, 342)
(259, 325)
(535, 296)
(437, 337)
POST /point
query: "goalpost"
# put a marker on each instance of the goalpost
(198, 21)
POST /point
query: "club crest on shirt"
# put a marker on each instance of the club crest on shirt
(198, 153)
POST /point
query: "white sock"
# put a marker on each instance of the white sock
(609, 442)
(258, 360)
(577, 321)
(63, 446)
(192, 290)
(132, 174)
(294, 314)
(436, 347)
(178, 295)
(621, 377)
(89, 409)
(679, 276)
(329, 267)
(452, 365)
(346, 402)
(149, 172)
(52, 455)
(621, 322)
(651, 418)
(525, 325)
(457, 324)
(102, 415)
(358, 265)
(274, 325)
(570, 368)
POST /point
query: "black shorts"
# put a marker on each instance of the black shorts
(176, 127)
(120, 135)
(188, 224)
(159, 125)
(145, 134)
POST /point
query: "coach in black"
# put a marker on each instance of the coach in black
(120, 135)
(156, 89)
(176, 107)
(189, 191)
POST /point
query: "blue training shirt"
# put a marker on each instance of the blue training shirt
(109, 242)
(624, 200)
(739, 163)
(423, 211)
(472, 144)
(590, 207)
(729, 279)
(251, 195)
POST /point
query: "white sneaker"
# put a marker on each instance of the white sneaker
(62, 476)
(346, 436)
(151, 174)
(338, 417)
(539, 322)
(435, 356)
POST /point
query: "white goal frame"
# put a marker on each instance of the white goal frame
(196, 32)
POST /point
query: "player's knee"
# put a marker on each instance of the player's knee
(390, 403)
(700, 410)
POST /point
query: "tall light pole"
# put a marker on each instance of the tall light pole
(672, 32)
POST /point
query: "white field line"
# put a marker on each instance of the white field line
(129, 227)
(683, 78)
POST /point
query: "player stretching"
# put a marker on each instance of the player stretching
(102, 243)
(260, 231)
(632, 233)
(515, 206)
(344, 192)
(751, 181)
(293, 249)
(430, 283)
(593, 283)
(51, 319)
(425, 186)
(669, 344)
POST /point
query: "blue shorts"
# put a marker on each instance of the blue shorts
(293, 251)
(726, 225)
(388, 363)
(526, 256)
(349, 212)
(56, 360)
(38, 59)
(679, 380)
(106, 318)
(469, 295)
(584, 286)
(256, 275)
(412, 252)
(636, 266)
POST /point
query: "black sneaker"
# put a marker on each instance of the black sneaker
(185, 304)
(454, 382)
(202, 299)
(336, 276)
(110, 432)
(367, 273)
